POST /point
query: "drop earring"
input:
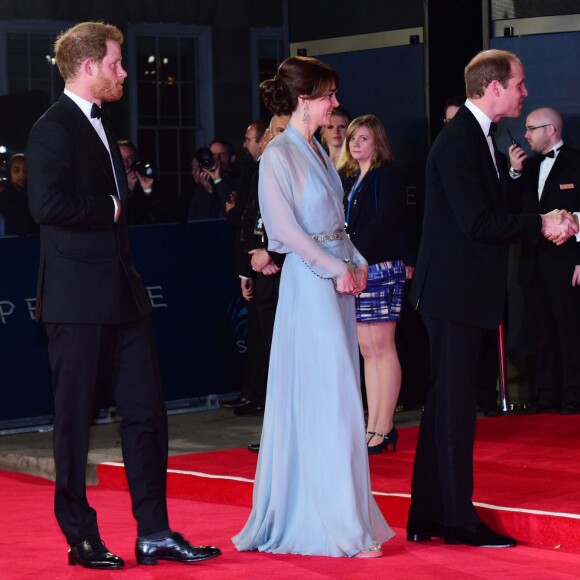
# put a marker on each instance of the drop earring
(305, 115)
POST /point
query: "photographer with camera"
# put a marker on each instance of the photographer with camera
(146, 202)
(212, 188)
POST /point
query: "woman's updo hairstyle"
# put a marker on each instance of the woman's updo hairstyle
(298, 76)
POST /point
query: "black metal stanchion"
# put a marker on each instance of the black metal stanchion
(505, 406)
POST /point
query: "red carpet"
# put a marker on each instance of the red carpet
(527, 474)
(32, 547)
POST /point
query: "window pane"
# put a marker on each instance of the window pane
(188, 145)
(269, 55)
(40, 49)
(147, 96)
(146, 143)
(167, 60)
(30, 66)
(17, 60)
(168, 102)
(18, 85)
(188, 58)
(189, 104)
(146, 58)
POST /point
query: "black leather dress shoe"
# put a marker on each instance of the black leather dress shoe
(254, 447)
(249, 409)
(480, 535)
(570, 409)
(175, 548)
(423, 531)
(233, 403)
(93, 553)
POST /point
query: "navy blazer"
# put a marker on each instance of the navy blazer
(86, 272)
(375, 215)
(561, 191)
(461, 272)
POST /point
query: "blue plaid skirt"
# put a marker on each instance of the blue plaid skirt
(382, 299)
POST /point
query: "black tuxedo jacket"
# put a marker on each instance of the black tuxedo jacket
(86, 270)
(461, 271)
(561, 191)
(251, 223)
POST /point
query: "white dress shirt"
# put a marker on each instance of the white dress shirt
(485, 123)
(86, 107)
(546, 166)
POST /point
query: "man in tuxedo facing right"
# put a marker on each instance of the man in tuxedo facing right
(459, 290)
(94, 305)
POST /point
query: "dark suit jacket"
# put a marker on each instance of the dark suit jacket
(251, 223)
(461, 271)
(86, 270)
(375, 218)
(561, 191)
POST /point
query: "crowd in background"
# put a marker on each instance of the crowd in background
(224, 186)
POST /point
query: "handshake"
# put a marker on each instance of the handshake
(559, 225)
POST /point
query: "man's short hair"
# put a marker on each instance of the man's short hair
(454, 101)
(127, 143)
(85, 40)
(259, 126)
(485, 67)
(225, 143)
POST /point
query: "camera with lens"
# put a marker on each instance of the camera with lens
(205, 159)
(145, 169)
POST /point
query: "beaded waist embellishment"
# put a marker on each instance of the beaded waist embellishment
(327, 237)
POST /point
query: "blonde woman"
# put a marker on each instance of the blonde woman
(374, 205)
(332, 135)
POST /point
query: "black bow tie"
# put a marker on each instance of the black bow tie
(551, 154)
(96, 112)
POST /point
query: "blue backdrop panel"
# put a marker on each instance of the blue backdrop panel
(552, 79)
(198, 315)
(550, 63)
(389, 83)
(25, 375)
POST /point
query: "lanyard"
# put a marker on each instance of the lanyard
(352, 195)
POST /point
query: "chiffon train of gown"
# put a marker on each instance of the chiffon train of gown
(312, 488)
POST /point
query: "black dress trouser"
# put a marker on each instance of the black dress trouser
(442, 484)
(86, 358)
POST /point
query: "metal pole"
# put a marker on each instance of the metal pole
(502, 370)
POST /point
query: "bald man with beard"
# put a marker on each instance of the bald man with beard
(550, 274)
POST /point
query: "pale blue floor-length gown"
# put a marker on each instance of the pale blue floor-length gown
(312, 491)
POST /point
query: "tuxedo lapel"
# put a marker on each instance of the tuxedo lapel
(118, 164)
(552, 184)
(91, 137)
(555, 172)
(531, 189)
(475, 129)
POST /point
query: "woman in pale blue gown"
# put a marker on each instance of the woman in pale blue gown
(312, 492)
